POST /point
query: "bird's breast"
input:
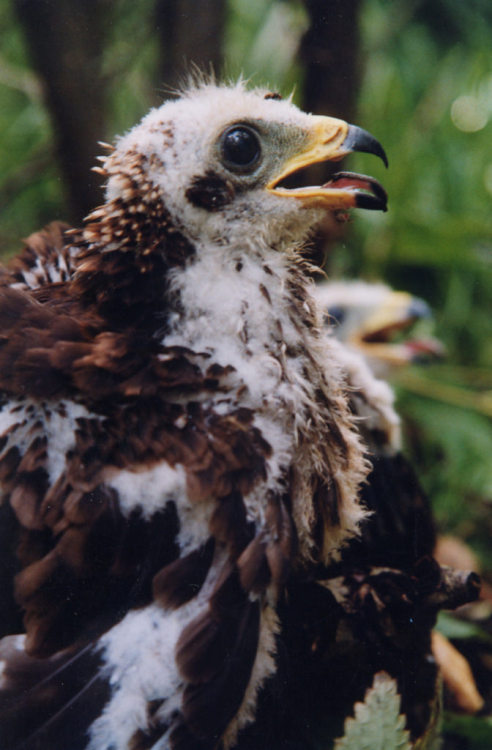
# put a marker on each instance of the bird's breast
(241, 314)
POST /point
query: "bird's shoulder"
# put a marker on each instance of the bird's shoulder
(66, 338)
(46, 257)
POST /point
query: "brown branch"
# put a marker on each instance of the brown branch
(191, 34)
(65, 40)
(330, 52)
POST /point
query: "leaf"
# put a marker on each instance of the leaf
(454, 628)
(378, 723)
(474, 733)
(457, 675)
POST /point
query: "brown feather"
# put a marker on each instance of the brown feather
(281, 545)
(253, 567)
(229, 524)
(180, 580)
(209, 706)
(48, 703)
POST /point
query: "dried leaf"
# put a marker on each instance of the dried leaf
(452, 551)
(457, 675)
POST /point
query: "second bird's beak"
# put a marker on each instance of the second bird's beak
(330, 139)
(397, 312)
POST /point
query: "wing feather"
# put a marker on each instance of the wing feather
(49, 702)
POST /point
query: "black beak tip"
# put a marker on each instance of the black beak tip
(371, 202)
(419, 309)
(359, 139)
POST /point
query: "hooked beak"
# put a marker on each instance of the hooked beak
(397, 313)
(331, 139)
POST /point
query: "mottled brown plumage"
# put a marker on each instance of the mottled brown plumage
(177, 443)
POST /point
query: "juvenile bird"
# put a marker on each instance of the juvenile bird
(176, 438)
(376, 321)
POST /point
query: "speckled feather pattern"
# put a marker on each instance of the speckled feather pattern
(177, 438)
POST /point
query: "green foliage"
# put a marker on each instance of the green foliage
(468, 731)
(427, 95)
(378, 723)
(30, 185)
(262, 39)
(130, 65)
(456, 629)
(31, 189)
(454, 461)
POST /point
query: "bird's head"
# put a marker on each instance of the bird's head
(378, 321)
(216, 158)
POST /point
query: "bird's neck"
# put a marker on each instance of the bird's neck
(238, 301)
(251, 310)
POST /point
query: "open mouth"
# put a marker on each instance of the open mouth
(393, 342)
(343, 190)
(368, 192)
(390, 332)
(331, 140)
(390, 327)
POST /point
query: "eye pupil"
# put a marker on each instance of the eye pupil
(335, 315)
(240, 148)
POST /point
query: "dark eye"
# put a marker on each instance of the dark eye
(335, 315)
(241, 149)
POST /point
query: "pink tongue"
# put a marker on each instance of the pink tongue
(431, 347)
(368, 192)
(351, 182)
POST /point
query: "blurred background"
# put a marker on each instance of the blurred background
(415, 73)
